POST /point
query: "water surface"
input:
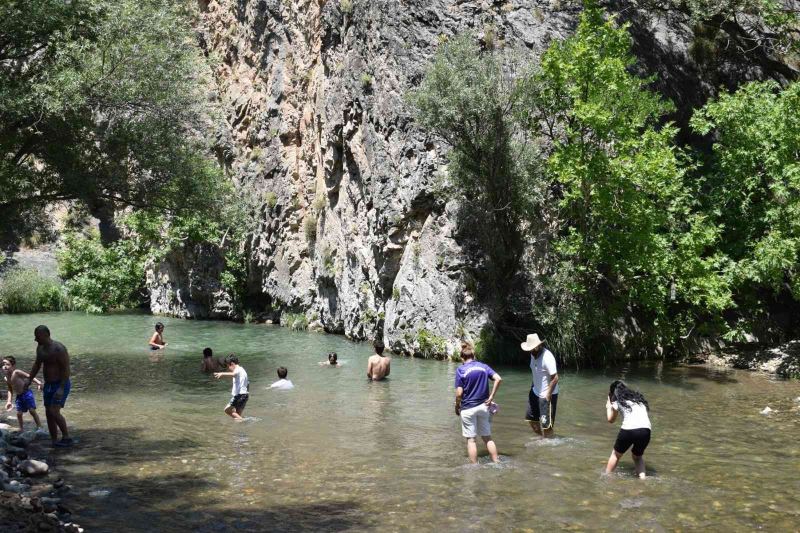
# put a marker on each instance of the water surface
(156, 452)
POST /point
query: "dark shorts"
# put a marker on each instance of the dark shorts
(25, 402)
(239, 401)
(49, 391)
(638, 438)
(538, 406)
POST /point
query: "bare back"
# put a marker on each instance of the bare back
(55, 360)
(378, 367)
(17, 381)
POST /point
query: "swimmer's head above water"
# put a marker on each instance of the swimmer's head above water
(332, 358)
(159, 327)
(282, 372)
(207, 352)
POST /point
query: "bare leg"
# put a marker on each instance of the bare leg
(231, 412)
(60, 421)
(612, 461)
(638, 461)
(35, 416)
(239, 411)
(19, 419)
(491, 447)
(52, 427)
(472, 450)
(535, 427)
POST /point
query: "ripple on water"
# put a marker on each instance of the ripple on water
(568, 442)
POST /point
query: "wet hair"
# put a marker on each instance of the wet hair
(11, 359)
(231, 359)
(467, 350)
(332, 357)
(42, 329)
(159, 326)
(620, 393)
(282, 372)
(378, 347)
(207, 352)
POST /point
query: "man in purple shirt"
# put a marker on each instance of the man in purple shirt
(473, 400)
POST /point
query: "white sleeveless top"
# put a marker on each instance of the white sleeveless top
(636, 418)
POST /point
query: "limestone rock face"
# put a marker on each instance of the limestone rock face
(321, 143)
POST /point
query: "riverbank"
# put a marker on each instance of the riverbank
(782, 360)
(31, 492)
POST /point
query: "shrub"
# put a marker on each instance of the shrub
(366, 80)
(27, 291)
(271, 199)
(310, 227)
(430, 345)
(395, 293)
(319, 203)
(346, 6)
(296, 321)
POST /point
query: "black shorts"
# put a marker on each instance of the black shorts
(535, 412)
(239, 401)
(639, 438)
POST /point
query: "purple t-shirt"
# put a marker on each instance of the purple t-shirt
(474, 378)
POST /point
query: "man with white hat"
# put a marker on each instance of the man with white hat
(543, 396)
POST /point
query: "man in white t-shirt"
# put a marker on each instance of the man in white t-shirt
(239, 389)
(543, 396)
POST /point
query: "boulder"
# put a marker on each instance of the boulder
(32, 467)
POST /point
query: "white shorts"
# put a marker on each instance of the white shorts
(476, 421)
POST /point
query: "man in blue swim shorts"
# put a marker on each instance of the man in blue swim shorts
(53, 356)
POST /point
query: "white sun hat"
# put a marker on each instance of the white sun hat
(531, 343)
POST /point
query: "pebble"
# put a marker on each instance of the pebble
(32, 467)
(767, 410)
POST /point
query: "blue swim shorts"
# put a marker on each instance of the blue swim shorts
(25, 401)
(49, 391)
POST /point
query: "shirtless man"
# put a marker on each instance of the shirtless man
(55, 359)
(378, 365)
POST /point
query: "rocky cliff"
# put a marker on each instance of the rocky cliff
(319, 140)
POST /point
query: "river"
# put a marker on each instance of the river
(156, 452)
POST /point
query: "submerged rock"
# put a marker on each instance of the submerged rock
(767, 410)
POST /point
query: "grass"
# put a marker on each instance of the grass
(310, 227)
(296, 321)
(27, 291)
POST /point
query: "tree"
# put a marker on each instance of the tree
(95, 112)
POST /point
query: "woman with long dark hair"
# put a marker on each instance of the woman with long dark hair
(635, 430)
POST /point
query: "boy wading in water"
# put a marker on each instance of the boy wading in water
(635, 430)
(378, 365)
(473, 400)
(16, 380)
(53, 356)
(157, 340)
(239, 390)
(543, 396)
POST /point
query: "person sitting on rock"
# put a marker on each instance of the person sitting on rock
(157, 340)
(333, 360)
(15, 379)
(378, 365)
(210, 363)
(282, 383)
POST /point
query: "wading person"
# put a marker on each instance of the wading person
(16, 380)
(635, 430)
(157, 340)
(53, 356)
(473, 401)
(210, 363)
(378, 365)
(543, 396)
(282, 383)
(239, 389)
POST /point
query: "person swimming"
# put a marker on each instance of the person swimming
(157, 340)
(210, 363)
(333, 360)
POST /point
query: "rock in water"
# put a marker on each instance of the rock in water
(33, 467)
(767, 410)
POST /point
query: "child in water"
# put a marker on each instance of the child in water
(210, 363)
(332, 360)
(635, 430)
(239, 390)
(157, 340)
(15, 379)
(282, 383)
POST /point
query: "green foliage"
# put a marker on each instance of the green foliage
(271, 199)
(395, 293)
(295, 321)
(346, 6)
(310, 227)
(99, 278)
(319, 203)
(366, 80)
(753, 186)
(431, 346)
(127, 101)
(27, 291)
